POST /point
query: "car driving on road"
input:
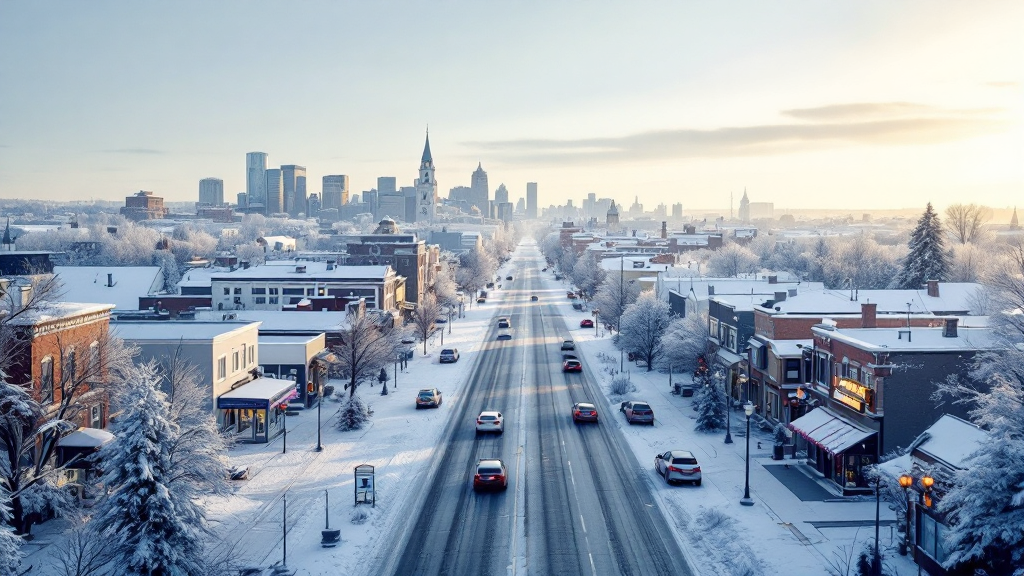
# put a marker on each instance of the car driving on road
(568, 345)
(505, 335)
(586, 323)
(490, 474)
(449, 355)
(678, 466)
(504, 322)
(584, 412)
(572, 365)
(428, 398)
(637, 412)
(490, 421)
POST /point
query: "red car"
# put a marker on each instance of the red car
(490, 474)
(584, 412)
(570, 295)
(572, 366)
(586, 323)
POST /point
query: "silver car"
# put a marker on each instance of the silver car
(678, 466)
(490, 421)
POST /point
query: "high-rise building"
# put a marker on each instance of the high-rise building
(531, 199)
(335, 191)
(256, 179)
(426, 187)
(481, 191)
(370, 199)
(387, 185)
(677, 210)
(211, 191)
(500, 197)
(275, 191)
(294, 189)
(312, 205)
(243, 200)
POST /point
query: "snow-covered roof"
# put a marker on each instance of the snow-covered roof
(174, 330)
(283, 321)
(260, 389)
(199, 276)
(631, 263)
(740, 302)
(277, 340)
(91, 284)
(829, 430)
(953, 297)
(49, 311)
(918, 340)
(950, 441)
(702, 287)
(789, 347)
(86, 438)
(304, 272)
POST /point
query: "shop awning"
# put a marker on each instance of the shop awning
(829, 431)
(86, 438)
(261, 393)
(727, 358)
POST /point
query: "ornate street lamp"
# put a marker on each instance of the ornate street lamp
(906, 481)
(728, 412)
(748, 409)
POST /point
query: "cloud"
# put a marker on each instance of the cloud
(1002, 84)
(739, 141)
(859, 110)
(133, 151)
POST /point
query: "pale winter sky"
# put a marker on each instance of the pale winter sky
(846, 104)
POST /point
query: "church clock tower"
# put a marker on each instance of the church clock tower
(426, 187)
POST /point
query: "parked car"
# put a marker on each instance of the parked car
(533, 298)
(490, 421)
(504, 322)
(571, 365)
(483, 293)
(568, 345)
(505, 335)
(490, 474)
(584, 412)
(678, 466)
(481, 300)
(577, 305)
(586, 323)
(508, 278)
(449, 355)
(570, 295)
(490, 285)
(544, 270)
(441, 321)
(558, 276)
(637, 411)
(428, 398)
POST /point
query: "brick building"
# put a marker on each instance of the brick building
(144, 206)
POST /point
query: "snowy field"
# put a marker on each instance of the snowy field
(718, 534)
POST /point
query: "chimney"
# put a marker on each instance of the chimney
(949, 329)
(933, 288)
(245, 264)
(711, 290)
(868, 315)
(780, 296)
(664, 230)
(792, 292)
(773, 279)
(24, 295)
(110, 279)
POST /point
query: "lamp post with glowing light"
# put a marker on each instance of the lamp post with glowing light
(906, 481)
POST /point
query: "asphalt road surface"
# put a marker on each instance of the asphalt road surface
(577, 502)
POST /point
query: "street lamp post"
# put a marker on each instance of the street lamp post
(319, 402)
(449, 319)
(906, 481)
(728, 413)
(748, 409)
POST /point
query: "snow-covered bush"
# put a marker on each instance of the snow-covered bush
(723, 552)
(360, 515)
(354, 414)
(621, 386)
(780, 434)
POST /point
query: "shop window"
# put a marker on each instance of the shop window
(931, 536)
(261, 299)
(222, 367)
(309, 291)
(46, 381)
(259, 290)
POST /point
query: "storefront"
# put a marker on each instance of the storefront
(254, 411)
(839, 449)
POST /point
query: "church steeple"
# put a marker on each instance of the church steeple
(1013, 220)
(428, 160)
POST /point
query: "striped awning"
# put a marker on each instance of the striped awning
(830, 431)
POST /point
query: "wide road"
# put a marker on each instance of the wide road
(577, 502)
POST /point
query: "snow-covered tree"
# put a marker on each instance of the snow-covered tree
(445, 287)
(684, 341)
(731, 260)
(424, 318)
(10, 543)
(587, 275)
(476, 269)
(985, 505)
(643, 324)
(151, 526)
(966, 222)
(709, 400)
(612, 298)
(970, 262)
(369, 342)
(354, 414)
(859, 262)
(927, 258)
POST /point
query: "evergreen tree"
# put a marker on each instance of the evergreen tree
(151, 529)
(354, 414)
(927, 259)
(709, 402)
(10, 544)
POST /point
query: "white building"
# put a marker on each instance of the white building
(211, 191)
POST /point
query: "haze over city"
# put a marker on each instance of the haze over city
(839, 105)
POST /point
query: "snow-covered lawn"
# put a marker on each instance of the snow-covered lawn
(718, 534)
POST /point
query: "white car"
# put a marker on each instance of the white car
(490, 421)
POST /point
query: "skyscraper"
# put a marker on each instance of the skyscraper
(294, 189)
(387, 185)
(500, 197)
(481, 190)
(531, 199)
(335, 191)
(256, 179)
(275, 191)
(211, 191)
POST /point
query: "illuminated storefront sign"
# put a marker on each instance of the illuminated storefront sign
(852, 393)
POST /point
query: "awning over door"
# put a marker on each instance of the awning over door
(260, 394)
(830, 431)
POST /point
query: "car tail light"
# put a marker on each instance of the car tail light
(497, 422)
(674, 469)
(479, 421)
(696, 469)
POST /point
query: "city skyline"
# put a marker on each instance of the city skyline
(844, 106)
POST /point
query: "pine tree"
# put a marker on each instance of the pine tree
(10, 544)
(152, 531)
(354, 414)
(927, 259)
(709, 402)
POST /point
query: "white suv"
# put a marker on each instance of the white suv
(490, 421)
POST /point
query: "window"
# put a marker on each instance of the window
(293, 292)
(46, 381)
(235, 366)
(931, 536)
(821, 376)
(252, 354)
(273, 300)
(227, 291)
(261, 299)
(68, 369)
(792, 374)
(222, 367)
(238, 290)
(96, 416)
(273, 291)
(730, 337)
(713, 328)
(259, 290)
